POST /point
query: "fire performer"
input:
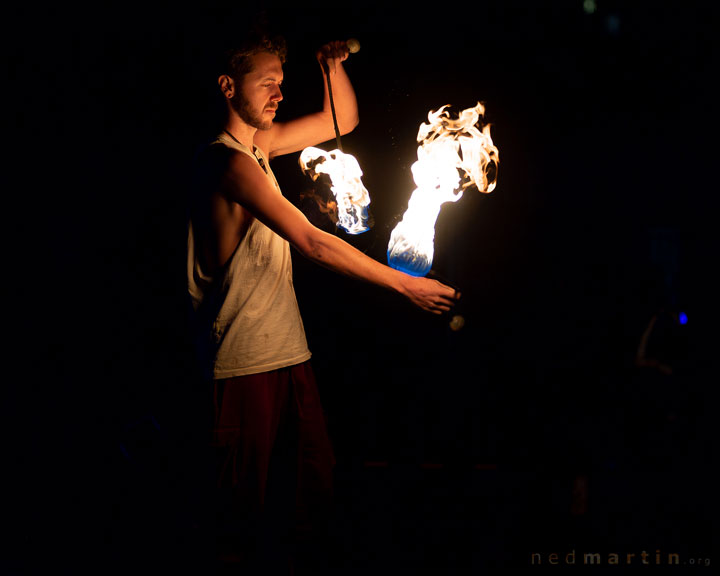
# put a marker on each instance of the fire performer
(274, 469)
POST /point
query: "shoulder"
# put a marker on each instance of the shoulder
(221, 170)
(218, 159)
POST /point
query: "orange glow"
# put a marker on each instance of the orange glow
(454, 154)
(345, 174)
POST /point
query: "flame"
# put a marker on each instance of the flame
(345, 174)
(454, 154)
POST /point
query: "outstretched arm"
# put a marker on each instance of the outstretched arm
(247, 184)
(318, 127)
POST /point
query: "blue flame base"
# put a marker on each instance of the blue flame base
(409, 263)
(356, 220)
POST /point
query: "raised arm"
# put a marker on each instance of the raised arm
(248, 185)
(315, 128)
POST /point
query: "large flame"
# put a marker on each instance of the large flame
(345, 175)
(454, 154)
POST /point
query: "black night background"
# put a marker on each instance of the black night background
(533, 430)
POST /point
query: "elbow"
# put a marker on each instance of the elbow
(312, 247)
(349, 124)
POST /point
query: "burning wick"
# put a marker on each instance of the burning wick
(345, 174)
(453, 155)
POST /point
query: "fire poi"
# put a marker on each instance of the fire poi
(345, 175)
(454, 154)
(351, 196)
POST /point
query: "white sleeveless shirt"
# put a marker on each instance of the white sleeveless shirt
(257, 325)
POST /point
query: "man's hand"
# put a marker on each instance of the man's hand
(431, 295)
(332, 53)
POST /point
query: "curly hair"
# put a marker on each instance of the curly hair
(238, 60)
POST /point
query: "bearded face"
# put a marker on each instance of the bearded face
(258, 93)
(250, 114)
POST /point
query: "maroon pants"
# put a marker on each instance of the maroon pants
(274, 464)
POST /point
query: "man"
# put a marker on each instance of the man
(268, 426)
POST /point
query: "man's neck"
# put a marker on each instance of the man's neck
(243, 133)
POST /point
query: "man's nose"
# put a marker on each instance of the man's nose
(277, 96)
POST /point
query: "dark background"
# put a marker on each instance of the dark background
(458, 452)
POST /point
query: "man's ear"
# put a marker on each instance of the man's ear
(227, 86)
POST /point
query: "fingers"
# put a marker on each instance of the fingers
(451, 294)
(336, 50)
(332, 52)
(440, 308)
(432, 295)
(444, 300)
